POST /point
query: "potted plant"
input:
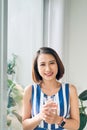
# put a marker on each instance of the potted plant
(83, 108)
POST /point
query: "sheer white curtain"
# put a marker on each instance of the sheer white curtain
(3, 64)
(53, 24)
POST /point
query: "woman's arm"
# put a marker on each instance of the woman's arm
(74, 121)
(28, 122)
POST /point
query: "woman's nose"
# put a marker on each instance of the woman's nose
(47, 67)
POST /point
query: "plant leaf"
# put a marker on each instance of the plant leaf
(83, 95)
(11, 102)
(83, 120)
(18, 116)
(82, 109)
(17, 95)
(9, 122)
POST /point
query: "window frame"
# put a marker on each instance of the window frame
(3, 64)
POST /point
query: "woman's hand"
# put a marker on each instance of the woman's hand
(49, 112)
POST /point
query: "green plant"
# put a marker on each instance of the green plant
(11, 65)
(83, 113)
(14, 93)
(15, 96)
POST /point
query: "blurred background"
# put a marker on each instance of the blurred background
(60, 24)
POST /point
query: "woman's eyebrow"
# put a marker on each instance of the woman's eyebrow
(48, 61)
(52, 61)
(42, 62)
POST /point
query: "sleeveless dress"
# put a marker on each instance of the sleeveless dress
(61, 98)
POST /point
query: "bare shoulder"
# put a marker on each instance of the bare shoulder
(73, 90)
(28, 88)
(27, 91)
(72, 87)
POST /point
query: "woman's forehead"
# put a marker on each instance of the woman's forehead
(45, 57)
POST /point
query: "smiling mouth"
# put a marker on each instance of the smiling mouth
(48, 74)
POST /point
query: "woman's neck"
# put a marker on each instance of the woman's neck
(50, 84)
(50, 87)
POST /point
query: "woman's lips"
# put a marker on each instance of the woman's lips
(48, 74)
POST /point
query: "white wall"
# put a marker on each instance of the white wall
(25, 34)
(77, 44)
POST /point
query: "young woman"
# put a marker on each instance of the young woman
(49, 104)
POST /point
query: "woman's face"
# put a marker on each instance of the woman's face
(47, 66)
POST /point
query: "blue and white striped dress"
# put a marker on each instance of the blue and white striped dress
(61, 98)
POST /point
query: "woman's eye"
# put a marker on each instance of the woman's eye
(42, 64)
(52, 62)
